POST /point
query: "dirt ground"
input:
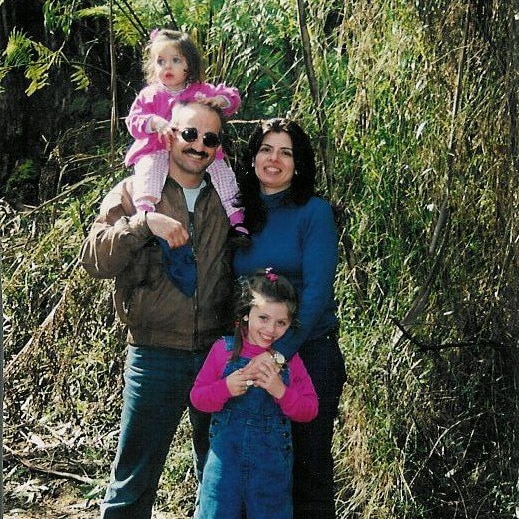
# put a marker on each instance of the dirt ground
(55, 510)
(63, 508)
(64, 504)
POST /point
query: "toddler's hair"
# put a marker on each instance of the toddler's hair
(185, 45)
(273, 287)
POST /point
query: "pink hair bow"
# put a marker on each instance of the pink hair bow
(270, 275)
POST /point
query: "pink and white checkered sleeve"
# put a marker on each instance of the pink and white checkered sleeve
(224, 181)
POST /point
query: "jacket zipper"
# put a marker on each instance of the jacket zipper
(202, 193)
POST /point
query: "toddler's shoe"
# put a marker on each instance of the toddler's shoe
(239, 237)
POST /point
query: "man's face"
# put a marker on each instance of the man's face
(196, 130)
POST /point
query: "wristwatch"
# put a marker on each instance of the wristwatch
(278, 358)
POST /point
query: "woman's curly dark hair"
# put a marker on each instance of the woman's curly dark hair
(303, 182)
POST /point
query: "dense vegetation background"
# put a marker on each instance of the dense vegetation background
(413, 109)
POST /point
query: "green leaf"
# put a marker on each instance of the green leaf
(80, 78)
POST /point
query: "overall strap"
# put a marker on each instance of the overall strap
(229, 342)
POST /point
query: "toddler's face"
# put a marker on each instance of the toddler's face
(170, 65)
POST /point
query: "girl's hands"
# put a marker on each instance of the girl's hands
(264, 373)
(269, 379)
(238, 382)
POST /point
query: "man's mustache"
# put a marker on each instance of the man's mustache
(201, 154)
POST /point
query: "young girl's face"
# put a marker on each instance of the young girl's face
(170, 65)
(267, 321)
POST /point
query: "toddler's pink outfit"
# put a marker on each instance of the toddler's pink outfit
(148, 155)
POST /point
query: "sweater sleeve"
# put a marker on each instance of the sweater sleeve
(139, 114)
(210, 392)
(319, 263)
(300, 402)
(150, 101)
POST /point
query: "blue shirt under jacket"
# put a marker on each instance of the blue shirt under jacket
(299, 242)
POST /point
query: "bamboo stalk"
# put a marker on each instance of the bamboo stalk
(323, 147)
(113, 88)
(52, 472)
(439, 235)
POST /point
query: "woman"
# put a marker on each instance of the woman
(294, 232)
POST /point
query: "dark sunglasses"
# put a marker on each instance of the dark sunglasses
(210, 139)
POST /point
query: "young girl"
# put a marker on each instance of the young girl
(174, 73)
(249, 464)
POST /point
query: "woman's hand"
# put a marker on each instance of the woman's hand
(254, 367)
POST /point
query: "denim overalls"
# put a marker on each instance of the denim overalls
(249, 464)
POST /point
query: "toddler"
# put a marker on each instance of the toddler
(174, 73)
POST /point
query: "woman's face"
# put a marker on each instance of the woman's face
(274, 163)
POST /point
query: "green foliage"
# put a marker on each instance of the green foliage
(59, 16)
(428, 419)
(24, 180)
(18, 49)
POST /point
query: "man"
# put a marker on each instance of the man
(169, 333)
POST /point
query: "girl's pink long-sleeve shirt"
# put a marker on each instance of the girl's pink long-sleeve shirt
(157, 99)
(210, 392)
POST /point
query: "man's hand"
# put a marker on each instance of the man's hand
(167, 228)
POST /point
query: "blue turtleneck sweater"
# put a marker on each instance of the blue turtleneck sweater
(299, 242)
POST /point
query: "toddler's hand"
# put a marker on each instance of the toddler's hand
(163, 130)
(216, 101)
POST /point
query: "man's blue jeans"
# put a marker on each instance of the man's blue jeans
(156, 393)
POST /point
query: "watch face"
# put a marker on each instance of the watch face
(279, 357)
